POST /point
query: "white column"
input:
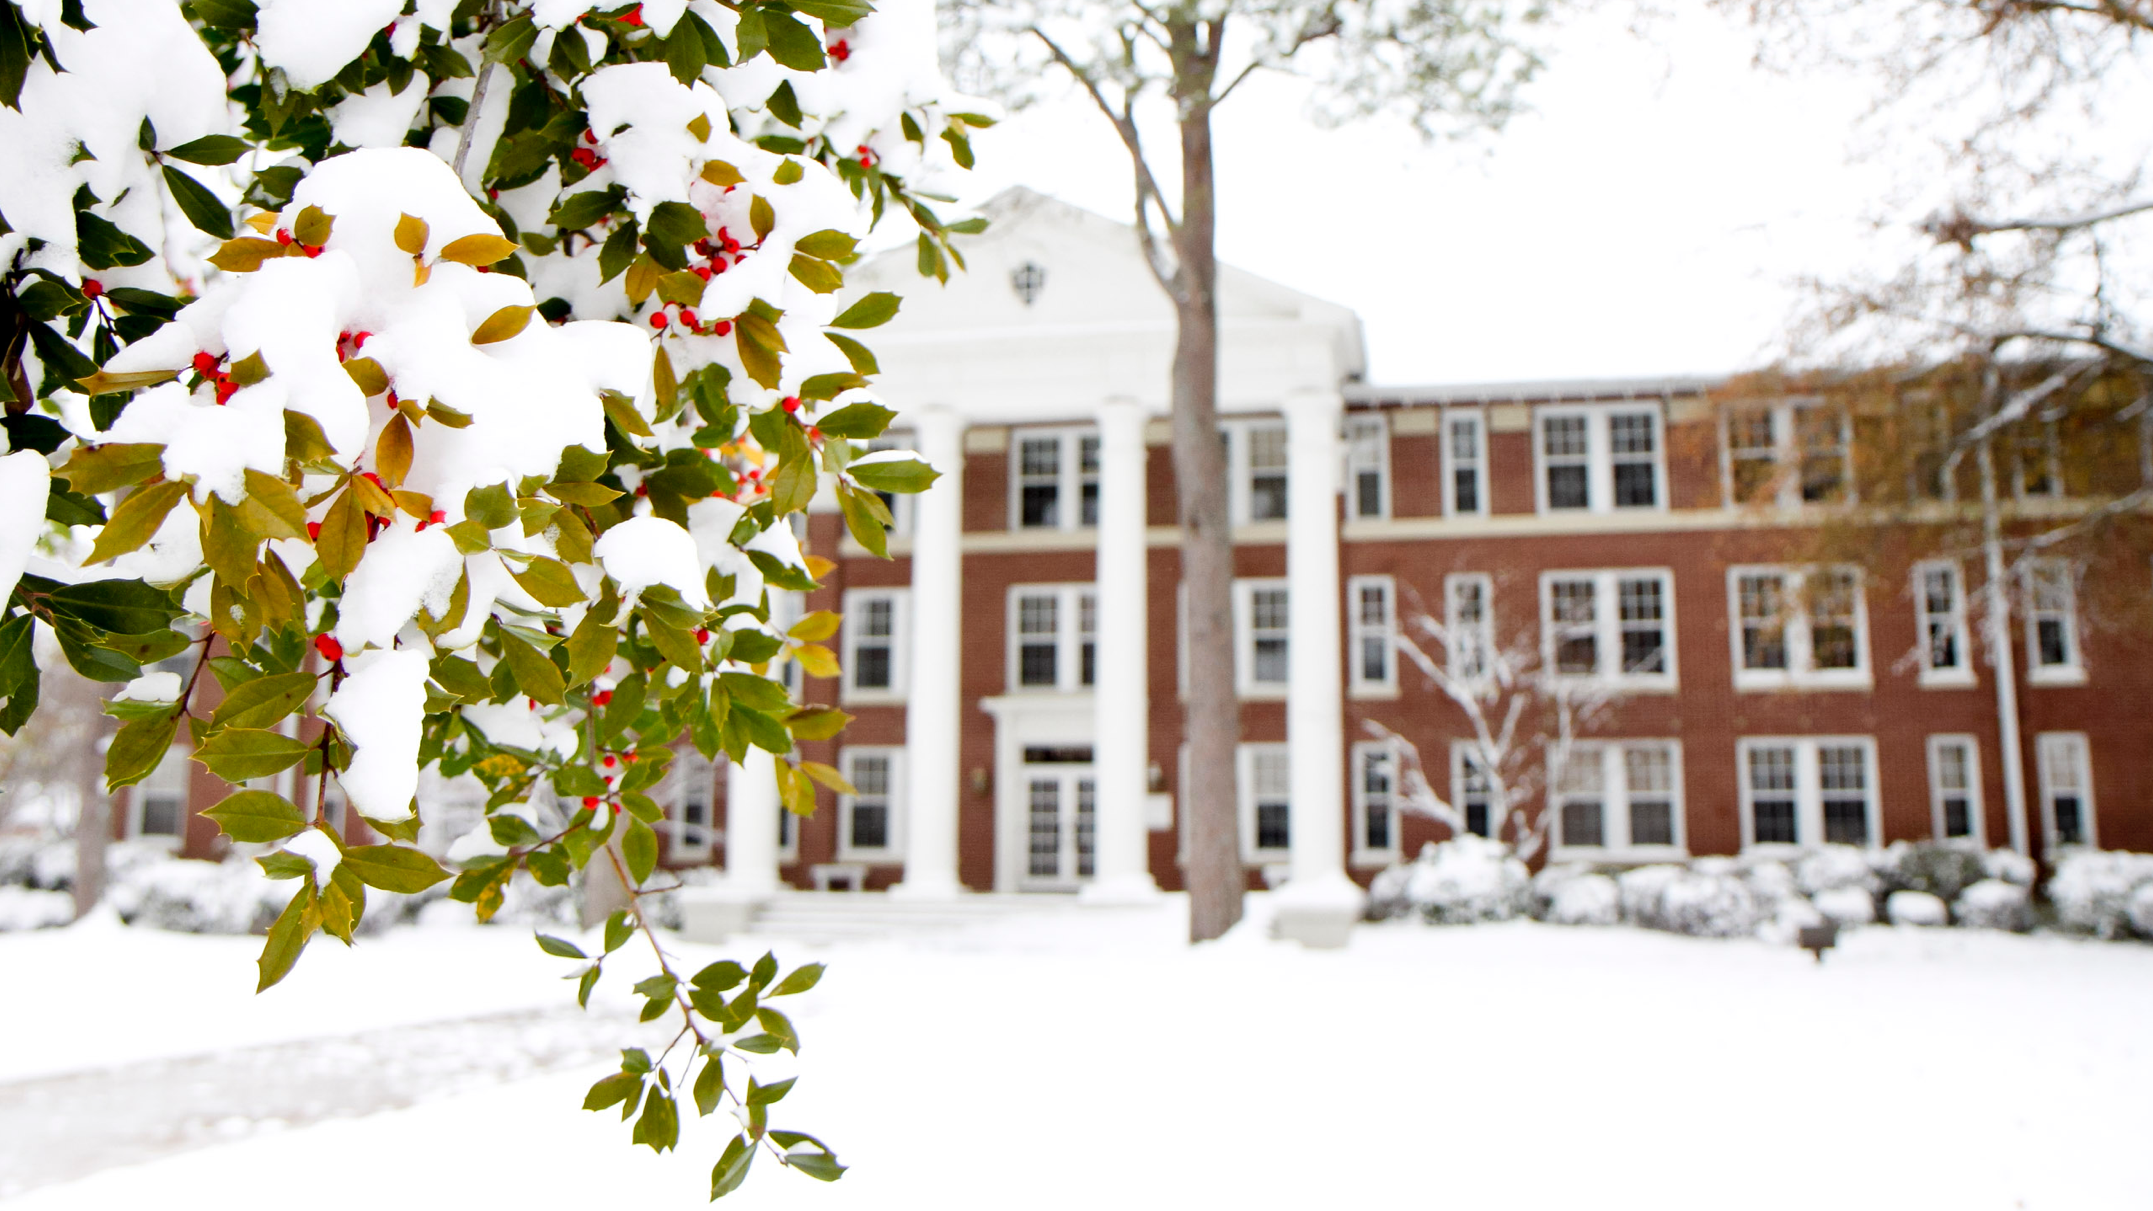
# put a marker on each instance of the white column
(933, 698)
(1319, 903)
(751, 808)
(1121, 737)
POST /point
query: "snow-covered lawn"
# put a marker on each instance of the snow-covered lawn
(1088, 1060)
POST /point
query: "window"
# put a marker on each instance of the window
(1804, 627)
(1940, 600)
(1260, 633)
(1372, 619)
(1470, 624)
(1788, 454)
(1600, 460)
(1955, 788)
(159, 801)
(1612, 626)
(2066, 775)
(1367, 467)
(1375, 805)
(2052, 624)
(690, 783)
(1620, 796)
(1256, 470)
(1050, 637)
(1472, 792)
(1266, 802)
(2036, 461)
(874, 639)
(869, 824)
(1807, 791)
(1465, 460)
(1056, 484)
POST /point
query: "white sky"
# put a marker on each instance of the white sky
(1647, 218)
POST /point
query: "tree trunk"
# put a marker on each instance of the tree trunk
(93, 811)
(1212, 715)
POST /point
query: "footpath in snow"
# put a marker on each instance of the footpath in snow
(1089, 1058)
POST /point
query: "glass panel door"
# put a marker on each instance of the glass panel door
(1059, 797)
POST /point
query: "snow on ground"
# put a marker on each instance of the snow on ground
(1085, 1058)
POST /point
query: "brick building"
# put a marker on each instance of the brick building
(1014, 669)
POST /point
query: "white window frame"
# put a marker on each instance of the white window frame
(1240, 474)
(1615, 798)
(1069, 481)
(1070, 637)
(1244, 639)
(176, 763)
(1469, 639)
(1808, 790)
(1463, 755)
(1454, 462)
(1367, 448)
(678, 780)
(1246, 757)
(2059, 574)
(2049, 752)
(1599, 458)
(1976, 811)
(894, 835)
(900, 600)
(1364, 752)
(1800, 672)
(2044, 443)
(1787, 453)
(1608, 627)
(1359, 632)
(1952, 619)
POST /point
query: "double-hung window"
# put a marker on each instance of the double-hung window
(1600, 459)
(1798, 627)
(1472, 791)
(1372, 625)
(1808, 790)
(1469, 624)
(1955, 788)
(1256, 470)
(1623, 795)
(1375, 802)
(870, 823)
(1940, 602)
(1051, 629)
(2065, 769)
(159, 802)
(1610, 626)
(2052, 655)
(1056, 480)
(1261, 621)
(1788, 454)
(875, 637)
(1367, 467)
(1465, 464)
(1266, 787)
(690, 785)
(2036, 461)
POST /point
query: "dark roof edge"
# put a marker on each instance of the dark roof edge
(1541, 391)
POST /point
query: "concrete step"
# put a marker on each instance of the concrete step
(837, 916)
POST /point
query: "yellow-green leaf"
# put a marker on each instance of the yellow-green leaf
(313, 226)
(535, 674)
(367, 372)
(95, 469)
(642, 278)
(480, 249)
(442, 413)
(818, 660)
(105, 382)
(343, 536)
(304, 440)
(136, 520)
(411, 234)
(760, 216)
(835, 781)
(394, 868)
(252, 817)
(262, 702)
(587, 495)
(392, 452)
(228, 546)
(245, 254)
(280, 502)
(816, 627)
(239, 754)
(721, 174)
(683, 288)
(503, 324)
(623, 412)
(699, 126)
(818, 276)
(550, 582)
(664, 384)
(816, 722)
(294, 927)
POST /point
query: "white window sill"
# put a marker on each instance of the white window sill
(1633, 855)
(2065, 675)
(1262, 693)
(1947, 679)
(1374, 859)
(1372, 692)
(1625, 685)
(871, 857)
(1749, 682)
(870, 698)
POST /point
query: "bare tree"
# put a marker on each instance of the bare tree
(1523, 723)
(58, 756)
(1445, 64)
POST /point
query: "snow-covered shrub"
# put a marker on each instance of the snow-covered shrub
(1942, 869)
(2009, 866)
(1994, 904)
(165, 892)
(26, 908)
(1846, 905)
(2140, 910)
(1832, 867)
(1641, 887)
(1709, 899)
(2092, 890)
(1916, 908)
(1586, 900)
(1462, 881)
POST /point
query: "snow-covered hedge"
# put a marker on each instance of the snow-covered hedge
(1459, 882)
(2109, 895)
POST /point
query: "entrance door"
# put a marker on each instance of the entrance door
(1058, 796)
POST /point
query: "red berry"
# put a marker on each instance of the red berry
(205, 364)
(437, 518)
(584, 156)
(687, 316)
(329, 648)
(590, 138)
(369, 475)
(723, 327)
(225, 389)
(591, 801)
(628, 757)
(283, 236)
(791, 403)
(701, 271)
(658, 320)
(91, 288)
(601, 697)
(359, 339)
(610, 762)
(839, 51)
(313, 530)
(642, 489)
(814, 434)
(312, 250)
(702, 635)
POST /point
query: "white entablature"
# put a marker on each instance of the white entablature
(1097, 325)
